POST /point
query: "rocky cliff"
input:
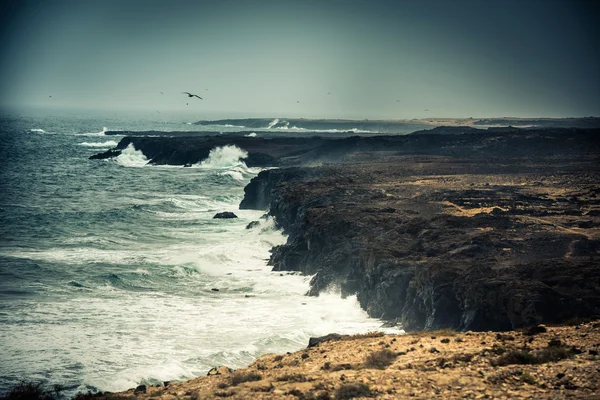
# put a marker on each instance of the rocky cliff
(482, 243)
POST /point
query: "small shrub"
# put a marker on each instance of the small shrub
(319, 386)
(515, 357)
(548, 354)
(435, 334)
(527, 378)
(241, 377)
(554, 353)
(278, 358)
(380, 359)
(374, 334)
(33, 391)
(463, 357)
(340, 367)
(225, 394)
(292, 378)
(349, 391)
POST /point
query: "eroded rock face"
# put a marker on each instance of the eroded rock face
(481, 243)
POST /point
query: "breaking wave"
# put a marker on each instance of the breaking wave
(225, 157)
(130, 157)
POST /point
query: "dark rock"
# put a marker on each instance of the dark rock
(221, 370)
(226, 214)
(214, 289)
(253, 224)
(140, 389)
(107, 154)
(534, 330)
(315, 341)
(555, 343)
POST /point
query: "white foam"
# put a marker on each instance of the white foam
(109, 143)
(37, 130)
(253, 134)
(273, 123)
(224, 157)
(130, 157)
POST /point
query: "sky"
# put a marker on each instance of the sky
(317, 59)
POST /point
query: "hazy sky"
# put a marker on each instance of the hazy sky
(378, 59)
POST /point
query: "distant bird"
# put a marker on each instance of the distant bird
(328, 93)
(397, 101)
(192, 95)
(161, 93)
(49, 96)
(158, 111)
(297, 101)
(187, 104)
(426, 109)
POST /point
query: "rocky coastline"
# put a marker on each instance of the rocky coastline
(454, 227)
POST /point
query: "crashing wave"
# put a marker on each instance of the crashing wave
(37, 130)
(253, 134)
(273, 123)
(130, 157)
(224, 157)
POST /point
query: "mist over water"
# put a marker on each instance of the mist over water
(114, 273)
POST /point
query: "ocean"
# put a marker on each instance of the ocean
(114, 273)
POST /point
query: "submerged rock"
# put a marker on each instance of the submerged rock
(253, 224)
(226, 214)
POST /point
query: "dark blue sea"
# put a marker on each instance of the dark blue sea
(107, 267)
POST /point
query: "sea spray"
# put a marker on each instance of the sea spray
(225, 157)
(130, 157)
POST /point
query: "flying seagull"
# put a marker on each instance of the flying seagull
(192, 95)
(161, 93)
